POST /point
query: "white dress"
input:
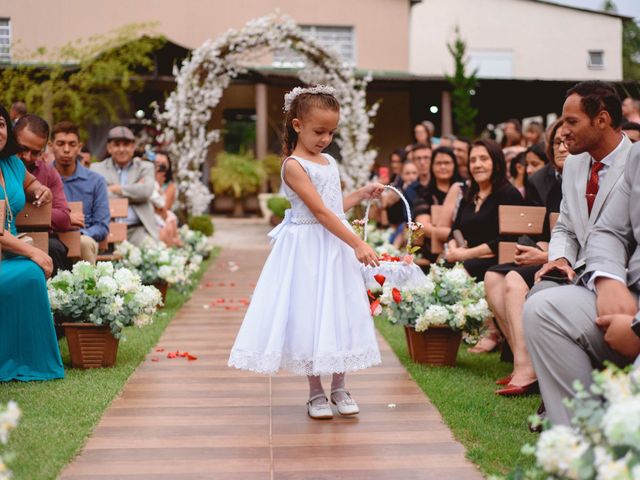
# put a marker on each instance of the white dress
(309, 313)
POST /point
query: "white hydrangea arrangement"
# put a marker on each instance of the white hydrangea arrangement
(155, 263)
(202, 78)
(103, 295)
(604, 442)
(196, 241)
(447, 297)
(9, 417)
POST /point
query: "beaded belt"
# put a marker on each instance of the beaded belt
(289, 219)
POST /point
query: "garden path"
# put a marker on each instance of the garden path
(200, 419)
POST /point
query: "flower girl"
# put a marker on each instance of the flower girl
(309, 313)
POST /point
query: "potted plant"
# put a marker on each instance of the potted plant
(238, 175)
(95, 302)
(277, 206)
(436, 313)
(272, 166)
(159, 265)
(195, 241)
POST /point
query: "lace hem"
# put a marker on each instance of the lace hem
(270, 363)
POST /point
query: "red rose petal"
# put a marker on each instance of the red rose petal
(191, 358)
(397, 296)
(380, 279)
(172, 354)
(159, 349)
(370, 295)
(376, 309)
(155, 359)
(232, 284)
(221, 284)
(208, 284)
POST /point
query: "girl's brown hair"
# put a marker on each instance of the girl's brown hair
(300, 107)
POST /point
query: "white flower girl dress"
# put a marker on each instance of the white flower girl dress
(309, 313)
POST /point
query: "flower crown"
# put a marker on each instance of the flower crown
(317, 90)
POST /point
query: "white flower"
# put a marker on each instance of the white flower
(559, 452)
(479, 310)
(433, 315)
(457, 277)
(107, 286)
(9, 417)
(609, 469)
(617, 388)
(621, 423)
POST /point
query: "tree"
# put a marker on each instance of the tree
(86, 82)
(630, 44)
(464, 86)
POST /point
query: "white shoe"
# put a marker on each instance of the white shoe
(319, 411)
(347, 406)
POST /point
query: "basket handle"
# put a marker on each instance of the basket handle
(406, 205)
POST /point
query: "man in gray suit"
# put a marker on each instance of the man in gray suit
(560, 323)
(131, 178)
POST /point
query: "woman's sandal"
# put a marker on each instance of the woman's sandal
(347, 406)
(319, 411)
(486, 344)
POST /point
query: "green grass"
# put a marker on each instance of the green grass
(58, 416)
(492, 429)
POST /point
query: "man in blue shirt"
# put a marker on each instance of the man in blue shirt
(81, 185)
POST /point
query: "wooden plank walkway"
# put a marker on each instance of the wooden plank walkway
(188, 420)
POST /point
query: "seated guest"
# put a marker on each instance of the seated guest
(163, 199)
(631, 130)
(518, 173)
(32, 134)
(81, 185)
(461, 148)
(534, 133)
(512, 133)
(545, 178)
(421, 157)
(477, 218)
(85, 157)
(28, 346)
(507, 285)
(444, 173)
(394, 211)
(396, 159)
(131, 178)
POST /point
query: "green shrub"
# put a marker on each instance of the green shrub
(202, 223)
(272, 164)
(278, 205)
(236, 174)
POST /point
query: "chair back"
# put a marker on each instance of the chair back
(36, 223)
(517, 220)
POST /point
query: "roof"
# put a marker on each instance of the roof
(582, 9)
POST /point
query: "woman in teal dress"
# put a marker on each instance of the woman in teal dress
(28, 346)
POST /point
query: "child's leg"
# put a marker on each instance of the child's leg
(337, 382)
(315, 388)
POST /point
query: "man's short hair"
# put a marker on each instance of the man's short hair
(65, 126)
(631, 126)
(20, 108)
(37, 125)
(596, 96)
(420, 146)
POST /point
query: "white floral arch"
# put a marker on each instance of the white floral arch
(203, 77)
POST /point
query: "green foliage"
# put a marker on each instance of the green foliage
(630, 44)
(278, 205)
(202, 223)
(463, 83)
(86, 81)
(272, 164)
(236, 174)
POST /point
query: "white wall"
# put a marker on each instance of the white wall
(543, 41)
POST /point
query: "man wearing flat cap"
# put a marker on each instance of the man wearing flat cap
(131, 178)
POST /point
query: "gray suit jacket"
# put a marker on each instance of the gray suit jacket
(613, 245)
(139, 188)
(569, 236)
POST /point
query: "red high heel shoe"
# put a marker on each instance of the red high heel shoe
(517, 391)
(504, 380)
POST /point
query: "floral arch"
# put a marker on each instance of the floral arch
(203, 77)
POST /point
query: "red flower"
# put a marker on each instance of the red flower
(371, 296)
(397, 296)
(376, 308)
(380, 279)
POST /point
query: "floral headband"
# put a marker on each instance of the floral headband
(317, 90)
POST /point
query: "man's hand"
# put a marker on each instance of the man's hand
(618, 334)
(560, 264)
(115, 188)
(614, 298)
(77, 220)
(529, 255)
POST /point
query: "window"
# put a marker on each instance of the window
(491, 63)
(5, 40)
(596, 59)
(338, 39)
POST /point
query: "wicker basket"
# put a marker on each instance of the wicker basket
(90, 345)
(435, 346)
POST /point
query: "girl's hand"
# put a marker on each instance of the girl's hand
(529, 256)
(457, 254)
(366, 255)
(43, 261)
(371, 191)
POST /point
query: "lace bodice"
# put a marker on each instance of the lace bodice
(326, 179)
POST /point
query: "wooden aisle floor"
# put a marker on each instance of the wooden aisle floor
(199, 419)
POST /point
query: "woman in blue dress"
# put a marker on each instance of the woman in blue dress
(28, 346)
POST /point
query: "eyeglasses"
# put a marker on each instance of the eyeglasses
(32, 152)
(557, 143)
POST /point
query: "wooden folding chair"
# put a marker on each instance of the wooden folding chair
(36, 222)
(118, 208)
(71, 239)
(517, 220)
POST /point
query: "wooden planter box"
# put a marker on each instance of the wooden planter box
(435, 346)
(90, 345)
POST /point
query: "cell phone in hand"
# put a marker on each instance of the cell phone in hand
(556, 275)
(527, 241)
(383, 172)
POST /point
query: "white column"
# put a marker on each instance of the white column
(446, 125)
(262, 116)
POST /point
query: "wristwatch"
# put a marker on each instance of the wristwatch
(635, 324)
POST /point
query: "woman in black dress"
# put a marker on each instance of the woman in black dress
(477, 218)
(507, 285)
